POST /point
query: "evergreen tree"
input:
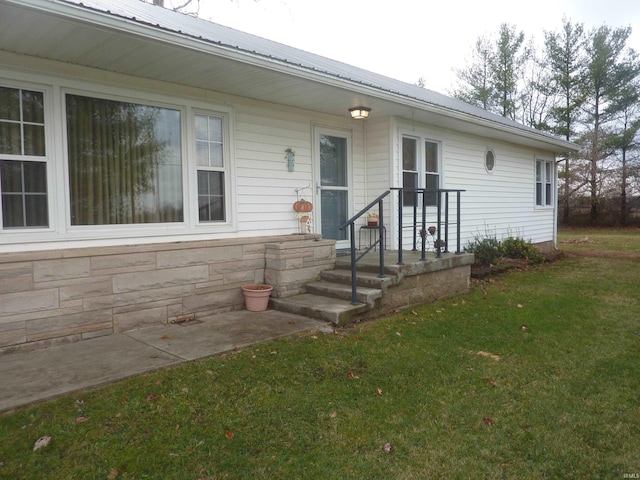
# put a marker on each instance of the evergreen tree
(477, 83)
(609, 69)
(565, 59)
(506, 69)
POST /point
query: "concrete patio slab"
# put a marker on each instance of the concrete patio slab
(42, 374)
(28, 377)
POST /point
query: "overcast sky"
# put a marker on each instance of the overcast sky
(409, 39)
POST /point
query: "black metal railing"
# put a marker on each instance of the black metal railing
(379, 242)
(421, 200)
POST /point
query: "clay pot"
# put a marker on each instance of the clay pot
(256, 296)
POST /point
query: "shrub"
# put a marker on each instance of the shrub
(487, 250)
(515, 247)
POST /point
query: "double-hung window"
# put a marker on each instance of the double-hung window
(210, 165)
(420, 169)
(23, 159)
(544, 183)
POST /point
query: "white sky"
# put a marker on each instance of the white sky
(408, 39)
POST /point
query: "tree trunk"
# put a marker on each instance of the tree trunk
(623, 193)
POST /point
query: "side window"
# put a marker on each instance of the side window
(420, 169)
(432, 179)
(409, 169)
(211, 168)
(23, 159)
(544, 183)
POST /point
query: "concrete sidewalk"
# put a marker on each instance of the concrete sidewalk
(28, 377)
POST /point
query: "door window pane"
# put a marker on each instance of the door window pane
(334, 204)
(333, 161)
(125, 162)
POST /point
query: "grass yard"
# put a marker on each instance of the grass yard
(534, 375)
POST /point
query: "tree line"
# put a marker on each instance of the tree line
(582, 85)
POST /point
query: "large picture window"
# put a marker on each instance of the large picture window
(23, 167)
(416, 173)
(125, 162)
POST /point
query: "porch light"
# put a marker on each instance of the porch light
(359, 113)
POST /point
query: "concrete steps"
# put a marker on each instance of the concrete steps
(335, 310)
(363, 278)
(330, 298)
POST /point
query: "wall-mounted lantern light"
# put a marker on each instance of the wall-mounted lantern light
(359, 113)
(291, 158)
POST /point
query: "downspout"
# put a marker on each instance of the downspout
(555, 206)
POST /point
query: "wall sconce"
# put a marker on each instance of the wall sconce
(359, 113)
(291, 158)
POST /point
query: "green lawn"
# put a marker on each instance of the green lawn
(535, 375)
(607, 239)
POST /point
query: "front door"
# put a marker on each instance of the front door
(333, 153)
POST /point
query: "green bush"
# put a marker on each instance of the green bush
(488, 250)
(515, 247)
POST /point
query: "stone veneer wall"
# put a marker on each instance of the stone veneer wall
(426, 287)
(60, 296)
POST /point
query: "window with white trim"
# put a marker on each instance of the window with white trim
(23, 159)
(210, 165)
(544, 183)
(125, 162)
(420, 168)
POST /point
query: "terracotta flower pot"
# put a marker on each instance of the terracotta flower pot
(256, 296)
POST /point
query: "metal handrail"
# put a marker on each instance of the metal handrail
(423, 223)
(380, 241)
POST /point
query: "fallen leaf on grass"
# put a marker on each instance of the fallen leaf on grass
(350, 374)
(113, 474)
(487, 420)
(151, 397)
(229, 434)
(414, 313)
(519, 305)
(524, 327)
(333, 414)
(493, 383)
(486, 354)
(379, 391)
(80, 420)
(185, 390)
(388, 448)
(41, 442)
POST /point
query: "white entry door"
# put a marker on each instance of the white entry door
(333, 155)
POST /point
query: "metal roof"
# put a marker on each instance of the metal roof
(140, 22)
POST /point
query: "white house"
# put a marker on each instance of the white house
(149, 162)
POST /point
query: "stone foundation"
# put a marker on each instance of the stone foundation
(61, 296)
(426, 287)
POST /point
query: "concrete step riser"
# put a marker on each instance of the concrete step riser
(337, 318)
(362, 280)
(338, 291)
